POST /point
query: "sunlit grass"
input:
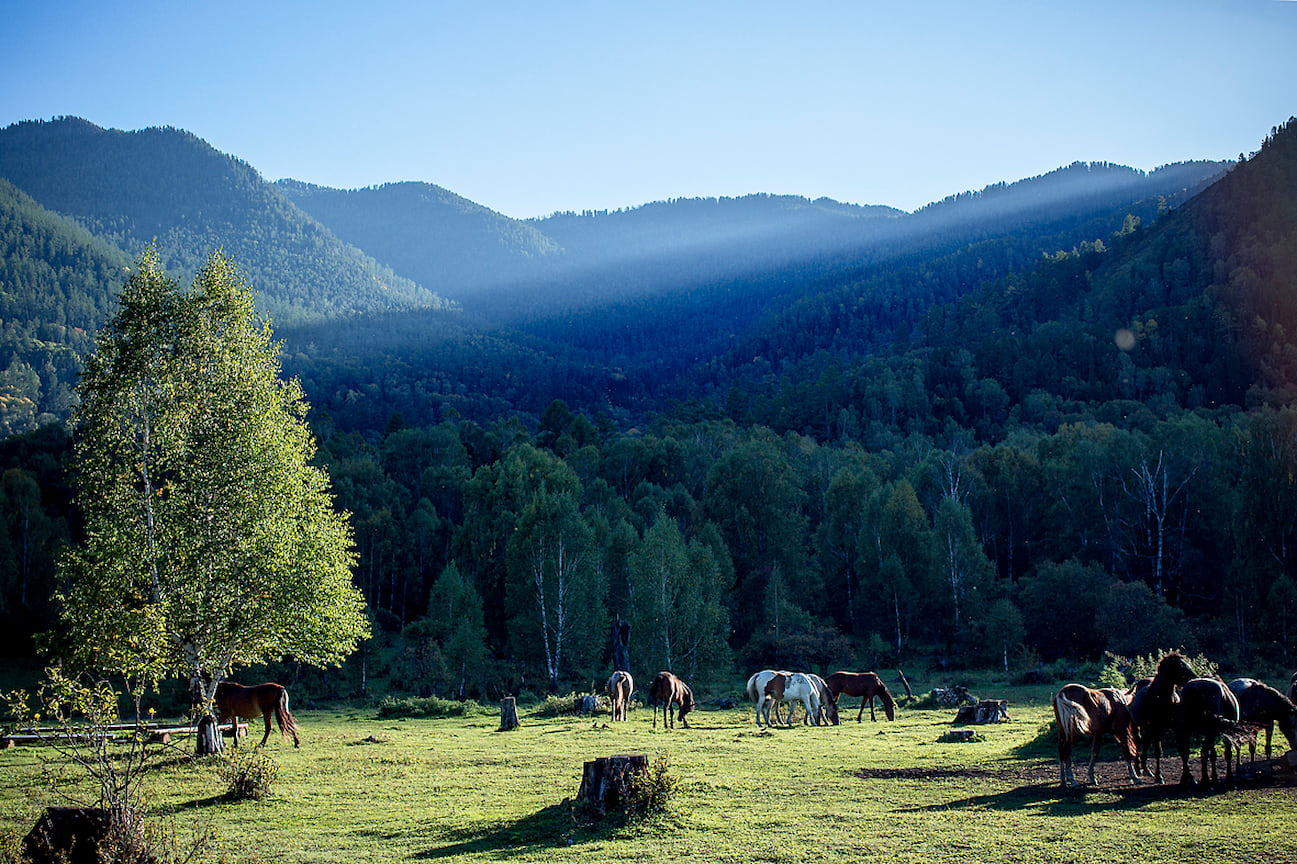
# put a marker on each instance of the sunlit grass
(375, 790)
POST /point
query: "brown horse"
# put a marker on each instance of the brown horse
(620, 686)
(1154, 707)
(248, 703)
(1261, 704)
(1080, 711)
(866, 685)
(667, 690)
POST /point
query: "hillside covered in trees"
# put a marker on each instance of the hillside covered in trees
(1032, 423)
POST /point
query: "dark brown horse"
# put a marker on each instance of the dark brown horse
(248, 703)
(667, 690)
(1262, 705)
(1153, 706)
(1207, 708)
(866, 685)
(1080, 711)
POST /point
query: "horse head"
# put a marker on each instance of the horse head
(1175, 669)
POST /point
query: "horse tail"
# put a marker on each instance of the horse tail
(1073, 719)
(284, 717)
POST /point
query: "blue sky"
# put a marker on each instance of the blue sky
(529, 108)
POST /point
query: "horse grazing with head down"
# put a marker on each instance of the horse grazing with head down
(866, 685)
(248, 703)
(795, 687)
(667, 690)
(1261, 704)
(1207, 708)
(620, 686)
(1154, 706)
(1080, 711)
(828, 705)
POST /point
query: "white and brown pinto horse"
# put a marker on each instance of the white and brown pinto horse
(1080, 712)
(620, 686)
(667, 690)
(756, 692)
(794, 687)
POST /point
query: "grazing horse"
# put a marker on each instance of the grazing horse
(1207, 708)
(828, 705)
(248, 703)
(866, 685)
(794, 687)
(756, 691)
(1080, 711)
(667, 690)
(620, 686)
(1265, 706)
(1153, 706)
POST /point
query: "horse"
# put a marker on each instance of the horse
(1153, 707)
(866, 685)
(1292, 689)
(1080, 711)
(248, 703)
(1265, 706)
(667, 690)
(756, 690)
(1207, 708)
(794, 687)
(828, 705)
(620, 686)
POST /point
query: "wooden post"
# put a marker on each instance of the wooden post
(209, 741)
(508, 714)
(905, 682)
(605, 782)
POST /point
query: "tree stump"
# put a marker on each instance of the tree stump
(508, 714)
(605, 782)
(71, 835)
(985, 711)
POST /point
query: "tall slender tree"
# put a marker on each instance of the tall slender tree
(210, 540)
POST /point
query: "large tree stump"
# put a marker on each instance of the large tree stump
(985, 711)
(508, 714)
(605, 782)
(71, 835)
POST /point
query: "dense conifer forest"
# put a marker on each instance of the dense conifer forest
(1020, 426)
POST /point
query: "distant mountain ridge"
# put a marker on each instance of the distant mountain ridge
(166, 185)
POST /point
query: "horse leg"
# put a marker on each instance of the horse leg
(1094, 756)
(264, 738)
(872, 718)
(1064, 762)
(1269, 728)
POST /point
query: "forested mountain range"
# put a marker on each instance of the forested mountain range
(917, 434)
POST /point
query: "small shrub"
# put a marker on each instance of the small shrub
(1121, 672)
(249, 774)
(430, 706)
(651, 793)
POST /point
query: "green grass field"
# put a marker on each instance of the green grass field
(363, 789)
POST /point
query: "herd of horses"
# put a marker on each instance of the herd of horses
(768, 689)
(1174, 700)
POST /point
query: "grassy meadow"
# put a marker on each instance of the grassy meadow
(401, 790)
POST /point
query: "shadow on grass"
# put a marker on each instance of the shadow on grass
(549, 828)
(1057, 801)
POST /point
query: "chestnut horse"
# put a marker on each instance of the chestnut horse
(667, 690)
(620, 686)
(1080, 711)
(1154, 704)
(866, 685)
(1263, 705)
(248, 703)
